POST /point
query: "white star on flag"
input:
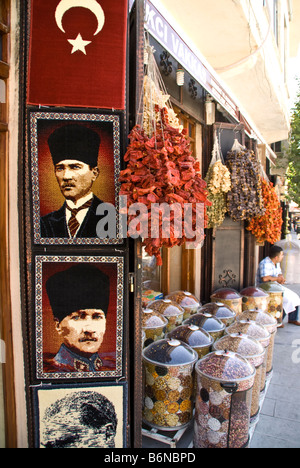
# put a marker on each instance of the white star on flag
(78, 44)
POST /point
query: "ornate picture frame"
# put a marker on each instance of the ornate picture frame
(81, 416)
(79, 317)
(69, 131)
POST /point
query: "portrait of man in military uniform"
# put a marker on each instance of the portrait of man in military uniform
(79, 298)
(77, 315)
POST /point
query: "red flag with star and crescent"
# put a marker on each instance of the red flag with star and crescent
(77, 54)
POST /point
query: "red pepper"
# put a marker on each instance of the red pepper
(160, 170)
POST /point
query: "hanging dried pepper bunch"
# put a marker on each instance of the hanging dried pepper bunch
(218, 185)
(244, 201)
(160, 169)
(268, 226)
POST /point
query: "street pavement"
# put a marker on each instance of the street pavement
(279, 421)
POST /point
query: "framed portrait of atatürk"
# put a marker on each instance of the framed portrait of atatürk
(81, 416)
(78, 317)
(74, 161)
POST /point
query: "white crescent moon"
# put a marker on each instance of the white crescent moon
(91, 5)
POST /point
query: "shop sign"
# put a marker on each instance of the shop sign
(163, 32)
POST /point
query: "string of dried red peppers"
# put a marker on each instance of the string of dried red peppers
(162, 170)
(268, 226)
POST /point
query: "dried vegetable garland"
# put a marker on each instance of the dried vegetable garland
(267, 228)
(244, 200)
(218, 185)
(160, 170)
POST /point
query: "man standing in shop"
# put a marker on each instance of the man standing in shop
(269, 270)
(74, 149)
(79, 298)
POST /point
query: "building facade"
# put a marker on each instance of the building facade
(234, 57)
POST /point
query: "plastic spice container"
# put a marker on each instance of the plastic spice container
(169, 309)
(229, 297)
(275, 291)
(168, 384)
(223, 402)
(186, 300)
(270, 323)
(208, 323)
(220, 311)
(259, 333)
(154, 325)
(254, 352)
(255, 298)
(197, 338)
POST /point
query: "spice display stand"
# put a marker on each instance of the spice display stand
(171, 438)
(176, 439)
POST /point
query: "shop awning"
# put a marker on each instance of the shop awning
(177, 28)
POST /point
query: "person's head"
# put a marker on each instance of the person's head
(74, 149)
(85, 419)
(276, 254)
(83, 331)
(79, 298)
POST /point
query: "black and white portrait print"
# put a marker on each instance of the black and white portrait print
(90, 417)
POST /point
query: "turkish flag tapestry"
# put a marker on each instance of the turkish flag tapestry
(77, 53)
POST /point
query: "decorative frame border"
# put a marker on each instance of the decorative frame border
(120, 347)
(106, 388)
(116, 118)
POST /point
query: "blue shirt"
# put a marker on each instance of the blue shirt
(267, 268)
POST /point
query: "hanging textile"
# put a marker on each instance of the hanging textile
(77, 53)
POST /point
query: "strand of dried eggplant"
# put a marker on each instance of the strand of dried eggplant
(244, 201)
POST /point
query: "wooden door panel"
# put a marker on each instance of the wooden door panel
(228, 255)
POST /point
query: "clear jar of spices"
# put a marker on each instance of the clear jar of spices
(259, 333)
(270, 323)
(168, 384)
(223, 400)
(254, 352)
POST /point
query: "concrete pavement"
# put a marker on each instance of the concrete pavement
(279, 422)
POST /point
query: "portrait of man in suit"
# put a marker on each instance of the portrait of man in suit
(74, 149)
(75, 168)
